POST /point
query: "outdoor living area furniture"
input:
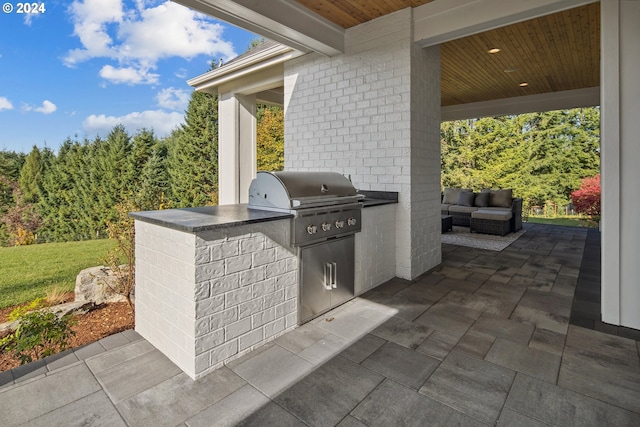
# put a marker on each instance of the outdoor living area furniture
(447, 223)
(489, 221)
(496, 211)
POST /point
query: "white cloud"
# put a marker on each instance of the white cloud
(173, 99)
(128, 75)
(160, 121)
(47, 107)
(138, 38)
(5, 104)
(91, 19)
(171, 30)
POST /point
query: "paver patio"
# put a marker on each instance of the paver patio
(488, 338)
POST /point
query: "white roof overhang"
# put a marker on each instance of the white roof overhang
(250, 74)
(283, 21)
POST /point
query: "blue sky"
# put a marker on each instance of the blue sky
(81, 67)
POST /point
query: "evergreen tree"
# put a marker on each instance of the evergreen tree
(193, 154)
(143, 147)
(10, 165)
(60, 208)
(154, 192)
(31, 175)
(112, 172)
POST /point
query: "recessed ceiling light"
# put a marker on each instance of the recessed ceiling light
(523, 84)
(511, 70)
(494, 50)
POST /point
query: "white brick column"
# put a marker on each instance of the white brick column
(236, 147)
(374, 114)
(375, 248)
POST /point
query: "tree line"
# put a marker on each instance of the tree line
(72, 194)
(542, 156)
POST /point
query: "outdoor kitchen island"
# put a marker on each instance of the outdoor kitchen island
(213, 283)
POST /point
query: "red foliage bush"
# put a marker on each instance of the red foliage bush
(586, 200)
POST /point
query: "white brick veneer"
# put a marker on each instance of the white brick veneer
(206, 298)
(374, 113)
(375, 249)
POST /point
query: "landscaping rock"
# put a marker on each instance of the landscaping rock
(96, 284)
(60, 310)
(8, 327)
(75, 307)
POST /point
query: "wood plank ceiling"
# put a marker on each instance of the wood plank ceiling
(552, 53)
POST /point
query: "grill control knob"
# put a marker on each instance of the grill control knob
(339, 223)
(326, 226)
(312, 229)
(352, 221)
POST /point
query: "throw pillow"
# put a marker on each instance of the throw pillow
(451, 195)
(501, 198)
(482, 200)
(465, 198)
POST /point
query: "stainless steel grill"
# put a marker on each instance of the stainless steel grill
(325, 204)
(327, 214)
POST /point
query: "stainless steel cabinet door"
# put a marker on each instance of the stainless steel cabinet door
(344, 258)
(326, 276)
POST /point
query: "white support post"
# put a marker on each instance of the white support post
(247, 143)
(236, 147)
(620, 155)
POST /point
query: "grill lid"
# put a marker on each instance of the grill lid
(292, 190)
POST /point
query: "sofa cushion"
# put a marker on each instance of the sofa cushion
(444, 208)
(481, 200)
(466, 198)
(462, 209)
(492, 214)
(494, 208)
(501, 198)
(451, 195)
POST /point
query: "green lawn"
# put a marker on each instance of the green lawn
(572, 222)
(27, 272)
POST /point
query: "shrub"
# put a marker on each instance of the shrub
(55, 295)
(586, 200)
(18, 312)
(40, 333)
(122, 230)
(22, 220)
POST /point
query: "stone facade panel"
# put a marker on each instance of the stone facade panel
(209, 341)
(209, 306)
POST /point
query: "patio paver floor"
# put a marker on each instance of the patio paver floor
(487, 339)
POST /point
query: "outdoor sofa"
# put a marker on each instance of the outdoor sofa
(489, 211)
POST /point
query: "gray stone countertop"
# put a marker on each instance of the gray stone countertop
(193, 220)
(368, 202)
(376, 198)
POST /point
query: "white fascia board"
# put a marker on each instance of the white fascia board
(439, 21)
(250, 84)
(238, 69)
(564, 100)
(284, 21)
